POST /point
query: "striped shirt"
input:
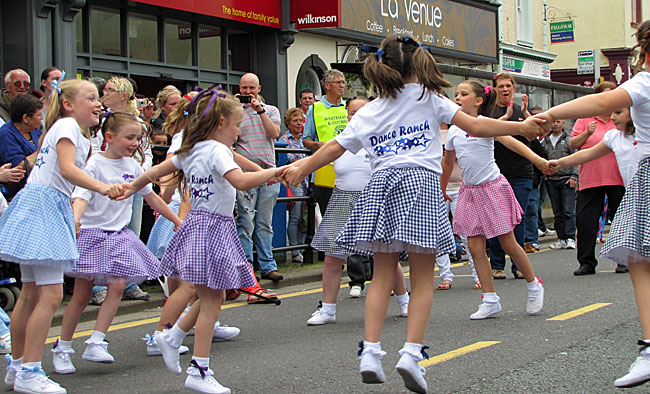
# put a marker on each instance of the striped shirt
(253, 142)
(293, 143)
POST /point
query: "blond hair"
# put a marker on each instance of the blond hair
(124, 86)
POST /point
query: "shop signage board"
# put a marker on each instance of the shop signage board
(258, 12)
(526, 67)
(444, 24)
(586, 62)
(561, 31)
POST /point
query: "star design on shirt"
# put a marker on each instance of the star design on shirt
(39, 162)
(201, 193)
(402, 144)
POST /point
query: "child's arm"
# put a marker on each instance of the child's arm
(581, 157)
(157, 204)
(329, 152)
(79, 206)
(448, 161)
(247, 180)
(155, 172)
(185, 207)
(589, 105)
(66, 152)
(487, 127)
(521, 149)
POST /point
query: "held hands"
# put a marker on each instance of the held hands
(553, 167)
(533, 127)
(548, 122)
(543, 165)
(292, 175)
(8, 174)
(113, 191)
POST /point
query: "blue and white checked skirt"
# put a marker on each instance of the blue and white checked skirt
(629, 237)
(104, 255)
(206, 251)
(38, 228)
(162, 232)
(338, 211)
(400, 210)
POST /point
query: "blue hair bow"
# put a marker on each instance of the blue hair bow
(57, 82)
(409, 40)
(370, 49)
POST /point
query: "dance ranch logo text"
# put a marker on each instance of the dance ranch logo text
(403, 143)
(198, 192)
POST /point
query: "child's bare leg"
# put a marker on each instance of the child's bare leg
(399, 287)
(175, 304)
(110, 305)
(332, 278)
(80, 297)
(211, 301)
(422, 270)
(510, 246)
(481, 263)
(38, 325)
(640, 275)
(377, 298)
(20, 316)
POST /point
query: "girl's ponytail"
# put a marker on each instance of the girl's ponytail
(427, 71)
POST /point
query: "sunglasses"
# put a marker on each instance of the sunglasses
(25, 84)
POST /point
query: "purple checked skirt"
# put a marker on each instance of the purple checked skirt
(206, 251)
(104, 255)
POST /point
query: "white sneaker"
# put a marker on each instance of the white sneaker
(535, 300)
(5, 344)
(639, 372)
(61, 360)
(548, 232)
(170, 353)
(97, 352)
(486, 310)
(540, 233)
(560, 244)
(154, 350)
(205, 384)
(10, 376)
(570, 244)
(412, 373)
(37, 383)
(321, 317)
(370, 365)
(224, 333)
(356, 291)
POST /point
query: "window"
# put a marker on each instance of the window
(78, 20)
(209, 47)
(239, 53)
(637, 15)
(105, 31)
(525, 23)
(178, 42)
(143, 37)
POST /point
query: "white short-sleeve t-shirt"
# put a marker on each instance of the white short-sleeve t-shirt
(204, 167)
(626, 153)
(400, 132)
(638, 88)
(102, 212)
(352, 171)
(475, 156)
(46, 169)
(177, 141)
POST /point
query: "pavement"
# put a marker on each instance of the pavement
(294, 277)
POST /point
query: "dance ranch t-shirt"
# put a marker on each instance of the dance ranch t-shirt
(638, 88)
(46, 169)
(626, 153)
(102, 212)
(352, 171)
(204, 167)
(400, 132)
(475, 156)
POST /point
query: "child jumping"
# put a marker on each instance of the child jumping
(401, 209)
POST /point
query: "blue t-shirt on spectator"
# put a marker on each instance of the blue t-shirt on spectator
(14, 147)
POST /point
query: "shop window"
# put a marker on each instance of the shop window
(105, 32)
(239, 51)
(539, 97)
(525, 23)
(210, 47)
(143, 37)
(78, 20)
(178, 42)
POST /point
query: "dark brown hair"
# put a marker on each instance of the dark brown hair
(643, 43)
(489, 98)
(503, 76)
(604, 85)
(400, 57)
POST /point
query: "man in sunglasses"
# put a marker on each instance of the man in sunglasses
(16, 82)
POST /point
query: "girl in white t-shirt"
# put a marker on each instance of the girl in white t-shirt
(109, 252)
(38, 227)
(205, 250)
(402, 208)
(352, 175)
(629, 237)
(487, 207)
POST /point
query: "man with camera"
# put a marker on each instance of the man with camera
(260, 127)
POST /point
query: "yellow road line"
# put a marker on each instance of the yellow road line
(579, 311)
(457, 353)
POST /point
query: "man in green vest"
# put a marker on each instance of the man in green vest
(326, 119)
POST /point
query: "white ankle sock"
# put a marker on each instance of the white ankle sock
(64, 345)
(176, 335)
(533, 286)
(329, 308)
(16, 363)
(490, 298)
(202, 361)
(402, 299)
(97, 337)
(372, 345)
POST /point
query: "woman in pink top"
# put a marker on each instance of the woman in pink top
(596, 179)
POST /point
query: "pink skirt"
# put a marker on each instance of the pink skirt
(489, 209)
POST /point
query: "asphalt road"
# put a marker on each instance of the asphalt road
(514, 353)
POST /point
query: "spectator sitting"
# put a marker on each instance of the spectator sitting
(294, 119)
(19, 138)
(17, 82)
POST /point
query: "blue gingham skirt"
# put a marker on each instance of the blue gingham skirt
(400, 210)
(38, 228)
(104, 255)
(629, 236)
(162, 232)
(206, 251)
(338, 211)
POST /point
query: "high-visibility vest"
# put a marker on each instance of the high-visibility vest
(329, 123)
